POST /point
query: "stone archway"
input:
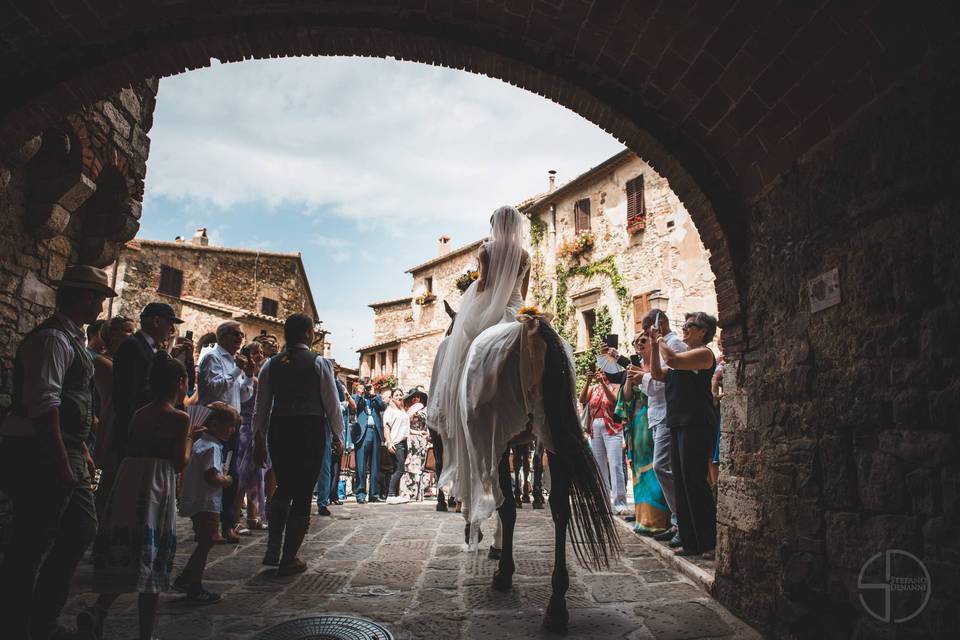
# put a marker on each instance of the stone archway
(775, 125)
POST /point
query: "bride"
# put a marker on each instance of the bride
(485, 382)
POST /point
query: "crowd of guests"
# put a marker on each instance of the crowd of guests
(660, 414)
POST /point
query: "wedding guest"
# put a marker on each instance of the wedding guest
(202, 498)
(606, 436)
(250, 477)
(370, 408)
(270, 346)
(137, 541)
(95, 343)
(411, 483)
(227, 376)
(45, 468)
(716, 389)
(692, 422)
(396, 428)
(330, 469)
(296, 391)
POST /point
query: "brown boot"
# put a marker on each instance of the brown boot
(297, 527)
(276, 523)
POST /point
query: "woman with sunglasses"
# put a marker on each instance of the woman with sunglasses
(692, 422)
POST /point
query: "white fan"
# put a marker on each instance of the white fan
(198, 415)
(608, 365)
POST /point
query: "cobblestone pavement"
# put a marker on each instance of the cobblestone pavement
(404, 566)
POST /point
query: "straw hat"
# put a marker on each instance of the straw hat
(82, 276)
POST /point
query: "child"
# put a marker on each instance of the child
(203, 483)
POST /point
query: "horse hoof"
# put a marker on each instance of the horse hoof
(556, 620)
(494, 553)
(537, 505)
(502, 581)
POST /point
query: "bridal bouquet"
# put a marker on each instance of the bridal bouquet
(466, 279)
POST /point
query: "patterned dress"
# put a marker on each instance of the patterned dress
(137, 540)
(250, 477)
(412, 481)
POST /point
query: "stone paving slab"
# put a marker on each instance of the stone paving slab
(405, 566)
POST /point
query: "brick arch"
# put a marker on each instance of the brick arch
(720, 98)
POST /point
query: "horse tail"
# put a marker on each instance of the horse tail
(592, 530)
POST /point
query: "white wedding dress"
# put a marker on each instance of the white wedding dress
(486, 384)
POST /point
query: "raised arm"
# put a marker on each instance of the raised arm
(484, 266)
(694, 360)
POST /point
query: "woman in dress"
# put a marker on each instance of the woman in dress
(652, 515)
(411, 484)
(137, 540)
(606, 436)
(396, 428)
(250, 477)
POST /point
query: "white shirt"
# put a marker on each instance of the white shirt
(399, 423)
(198, 494)
(221, 380)
(45, 356)
(328, 397)
(655, 389)
(149, 340)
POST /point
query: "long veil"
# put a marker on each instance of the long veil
(478, 311)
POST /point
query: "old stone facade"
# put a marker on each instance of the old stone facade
(615, 240)
(407, 331)
(207, 285)
(69, 195)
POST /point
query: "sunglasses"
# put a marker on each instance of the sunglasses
(688, 324)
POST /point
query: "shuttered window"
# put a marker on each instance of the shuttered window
(269, 307)
(581, 215)
(636, 205)
(171, 281)
(641, 304)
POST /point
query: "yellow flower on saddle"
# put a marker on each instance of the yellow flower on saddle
(530, 310)
(474, 275)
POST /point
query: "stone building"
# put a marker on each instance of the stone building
(407, 331)
(207, 285)
(615, 241)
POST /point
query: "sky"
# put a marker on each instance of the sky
(358, 164)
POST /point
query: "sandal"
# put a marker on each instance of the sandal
(200, 596)
(229, 537)
(255, 525)
(291, 568)
(680, 551)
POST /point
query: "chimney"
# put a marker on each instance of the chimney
(200, 237)
(443, 246)
(553, 180)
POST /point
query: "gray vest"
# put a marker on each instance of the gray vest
(295, 383)
(76, 394)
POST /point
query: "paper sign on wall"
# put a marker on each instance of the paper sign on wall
(824, 290)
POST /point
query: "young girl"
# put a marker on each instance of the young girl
(203, 482)
(134, 550)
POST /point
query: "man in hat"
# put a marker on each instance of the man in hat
(131, 383)
(45, 467)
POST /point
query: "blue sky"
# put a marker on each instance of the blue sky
(359, 164)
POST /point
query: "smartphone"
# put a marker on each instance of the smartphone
(263, 332)
(612, 340)
(188, 335)
(635, 360)
(659, 317)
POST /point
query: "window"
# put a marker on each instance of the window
(636, 205)
(383, 362)
(589, 323)
(641, 304)
(372, 363)
(581, 215)
(428, 284)
(269, 307)
(394, 356)
(171, 281)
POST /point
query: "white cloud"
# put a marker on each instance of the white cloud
(369, 140)
(339, 249)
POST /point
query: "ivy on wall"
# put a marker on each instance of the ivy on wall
(607, 266)
(582, 361)
(541, 290)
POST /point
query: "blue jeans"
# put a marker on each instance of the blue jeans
(369, 447)
(324, 481)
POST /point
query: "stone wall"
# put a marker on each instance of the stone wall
(667, 255)
(841, 440)
(68, 196)
(391, 320)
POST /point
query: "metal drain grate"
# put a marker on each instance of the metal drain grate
(326, 628)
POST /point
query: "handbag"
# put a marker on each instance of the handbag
(356, 433)
(348, 461)
(430, 462)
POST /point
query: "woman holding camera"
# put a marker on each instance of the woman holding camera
(606, 436)
(692, 422)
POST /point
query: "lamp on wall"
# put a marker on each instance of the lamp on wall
(657, 300)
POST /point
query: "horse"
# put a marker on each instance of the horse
(578, 501)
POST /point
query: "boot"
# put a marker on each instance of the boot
(276, 523)
(441, 501)
(290, 564)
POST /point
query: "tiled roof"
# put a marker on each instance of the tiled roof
(379, 345)
(235, 312)
(387, 303)
(532, 203)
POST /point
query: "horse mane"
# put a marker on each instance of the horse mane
(592, 530)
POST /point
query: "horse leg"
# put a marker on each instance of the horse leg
(556, 617)
(538, 476)
(503, 576)
(526, 472)
(515, 451)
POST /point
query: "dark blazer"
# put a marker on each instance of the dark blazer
(131, 387)
(378, 405)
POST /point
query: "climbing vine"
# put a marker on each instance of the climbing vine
(541, 291)
(582, 361)
(608, 267)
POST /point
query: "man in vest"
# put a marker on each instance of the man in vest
(45, 467)
(297, 397)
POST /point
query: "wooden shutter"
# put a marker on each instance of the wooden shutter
(636, 205)
(269, 307)
(171, 281)
(641, 304)
(581, 215)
